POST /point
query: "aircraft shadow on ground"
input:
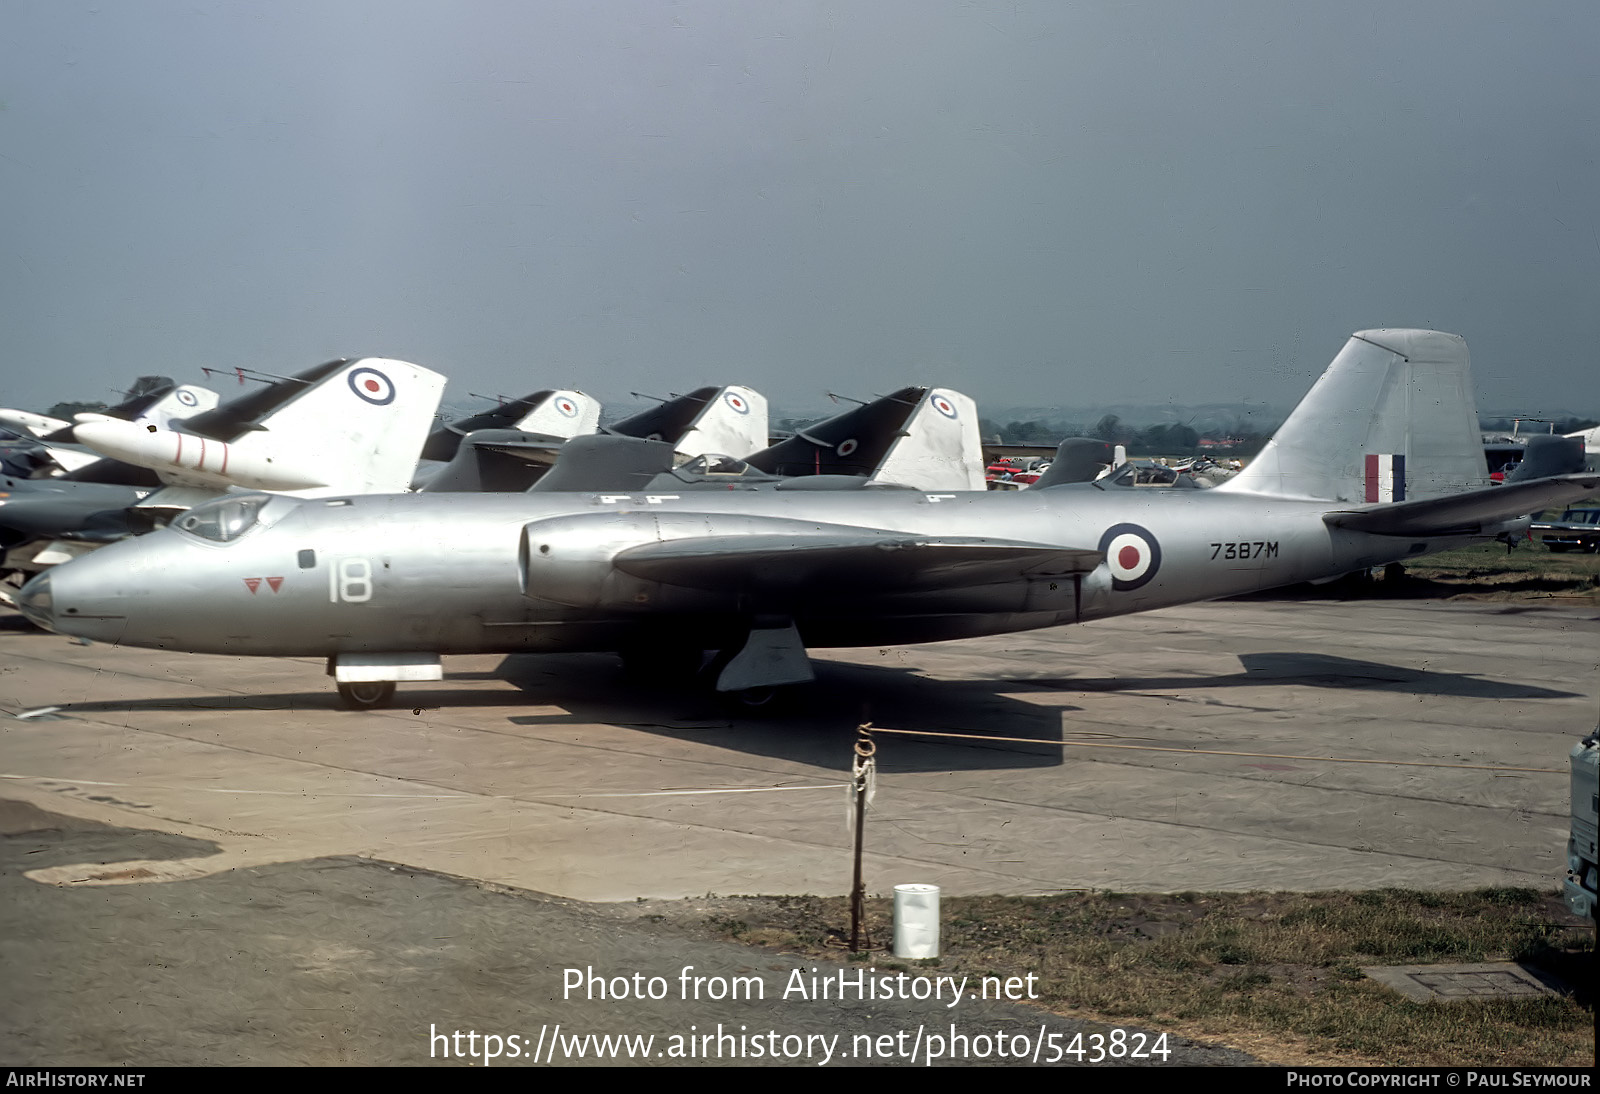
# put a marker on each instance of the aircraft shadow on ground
(12, 623)
(814, 724)
(410, 697)
(1317, 670)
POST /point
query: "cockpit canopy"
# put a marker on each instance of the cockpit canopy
(225, 519)
(717, 467)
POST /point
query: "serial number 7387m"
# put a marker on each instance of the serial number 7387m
(1256, 549)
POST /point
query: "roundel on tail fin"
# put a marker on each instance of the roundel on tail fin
(1132, 555)
(372, 385)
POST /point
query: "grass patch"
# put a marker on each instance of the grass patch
(1488, 570)
(1275, 974)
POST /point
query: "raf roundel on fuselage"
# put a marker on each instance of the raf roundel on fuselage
(1133, 556)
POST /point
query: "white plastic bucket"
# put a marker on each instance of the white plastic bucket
(916, 921)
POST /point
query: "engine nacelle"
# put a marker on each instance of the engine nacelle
(569, 560)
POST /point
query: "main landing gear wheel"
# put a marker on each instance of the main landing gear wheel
(367, 695)
(754, 698)
(761, 702)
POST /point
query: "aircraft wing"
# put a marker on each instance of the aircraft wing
(1468, 512)
(836, 563)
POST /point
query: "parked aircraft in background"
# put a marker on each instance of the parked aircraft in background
(54, 448)
(545, 418)
(1591, 446)
(724, 420)
(342, 427)
(915, 438)
(683, 426)
(1547, 456)
(1380, 462)
(918, 437)
(1079, 459)
(136, 399)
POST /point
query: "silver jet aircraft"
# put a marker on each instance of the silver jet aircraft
(1381, 462)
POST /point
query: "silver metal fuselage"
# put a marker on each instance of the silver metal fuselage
(447, 573)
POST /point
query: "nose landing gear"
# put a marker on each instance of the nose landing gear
(366, 695)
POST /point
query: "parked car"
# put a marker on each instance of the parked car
(1577, 530)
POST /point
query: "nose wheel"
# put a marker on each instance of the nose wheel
(367, 695)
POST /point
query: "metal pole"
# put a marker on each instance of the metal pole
(861, 765)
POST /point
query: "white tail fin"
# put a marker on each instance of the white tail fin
(939, 448)
(361, 427)
(351, 427)
(562, 414)
(183, 401)
(1392, 419)
(733, 422)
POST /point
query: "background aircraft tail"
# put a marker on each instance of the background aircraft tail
(551, 413)
(361, 427)
(852, 443)
(1077, 459)
(561, 414)
(176, 404)
(939, 448)
(923, 438)
(1392, 419)
(726, 421)
(344, 427)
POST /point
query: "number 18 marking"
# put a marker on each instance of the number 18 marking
(350, 580)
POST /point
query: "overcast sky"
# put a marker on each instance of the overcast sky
(1056, 203)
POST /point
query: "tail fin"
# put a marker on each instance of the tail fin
(924, 438)
(727, 421)
(733, 422)
(1546, 456)
(1392, 419)
(552, 413)
(182, 401)
(363, 426)
(853, 443)
(561, 414)
(358, 425)
(939, 447)
(1078, 459)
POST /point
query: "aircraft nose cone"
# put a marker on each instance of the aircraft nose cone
(36, 602)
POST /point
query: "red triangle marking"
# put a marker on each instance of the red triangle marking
(274, 582)
(253, 582)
